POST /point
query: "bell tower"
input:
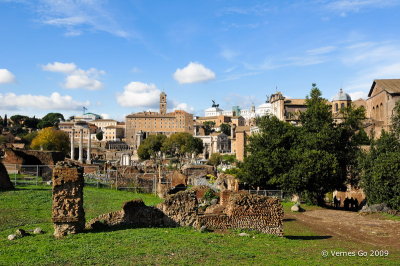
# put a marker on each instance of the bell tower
(163, 103)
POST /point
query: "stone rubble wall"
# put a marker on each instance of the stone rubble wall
(181, 208)
(240, 211)
(134, 214)
(246, 211)
(32, 157)
(68, 214)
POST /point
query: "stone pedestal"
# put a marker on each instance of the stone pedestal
(68, 214)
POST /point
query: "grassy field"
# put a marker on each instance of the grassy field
(30, 207)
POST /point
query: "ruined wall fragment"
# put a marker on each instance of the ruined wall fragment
(68, 214)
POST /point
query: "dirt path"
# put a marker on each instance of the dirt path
(352, 226)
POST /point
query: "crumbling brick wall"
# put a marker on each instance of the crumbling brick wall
(32, 157)
(240, 211)
(246, 211)
(5, 182)
(181, 208)
(134, 214)
(67, 211)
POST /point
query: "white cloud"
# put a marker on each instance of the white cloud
(6, 76)
(138, 94)
(76, 77)
(60, 67)
(55, 101)
(105, 116)
(358, 95)
(193, 73)
(184, 107)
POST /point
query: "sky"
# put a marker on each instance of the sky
(115, 57)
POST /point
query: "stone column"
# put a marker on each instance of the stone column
(68, 214)
(72, 145)
(88, 160)
(81, 145)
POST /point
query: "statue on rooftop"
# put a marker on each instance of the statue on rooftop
(214, 105)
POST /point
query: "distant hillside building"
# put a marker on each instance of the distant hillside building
(248, 114)
(140, 125)
(287, 109)
(88, 117)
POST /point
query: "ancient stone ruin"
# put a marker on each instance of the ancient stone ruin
(245, 211)
(236, 211)
(134, 214)
(5, 183)
(67, 213)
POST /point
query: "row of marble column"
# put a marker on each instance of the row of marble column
(89, 144)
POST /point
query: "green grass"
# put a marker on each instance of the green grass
(391, 217)
(29, 207)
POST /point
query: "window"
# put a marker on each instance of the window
(336, 107)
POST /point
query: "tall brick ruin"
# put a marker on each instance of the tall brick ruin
(68, 214)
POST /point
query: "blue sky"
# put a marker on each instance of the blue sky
(114, 57)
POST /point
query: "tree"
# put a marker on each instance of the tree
(311, 159)
(226, 129)
(52, 140)
(396, 119)
(229, 158)
(99, 135)
(28, 138)
(208, 127)
(381, 171)
(151, 147)
(18, 119)
(215, 159)
(182, 145)
(269, 153)
(5, 121)
(31, 122)
(51, 120)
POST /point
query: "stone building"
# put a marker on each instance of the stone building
(216, 142)
(88, 117)
(248, 114)
(74, 127)
(113, 133)
(339, 102)
(382, 97)
(140, 125)
(218, 120)
(102, 123)
(287, 109)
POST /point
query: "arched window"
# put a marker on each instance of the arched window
(336, 107)
(342, 106)
(381, 109)
(377, 113)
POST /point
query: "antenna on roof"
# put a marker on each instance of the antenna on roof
(276, 88)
